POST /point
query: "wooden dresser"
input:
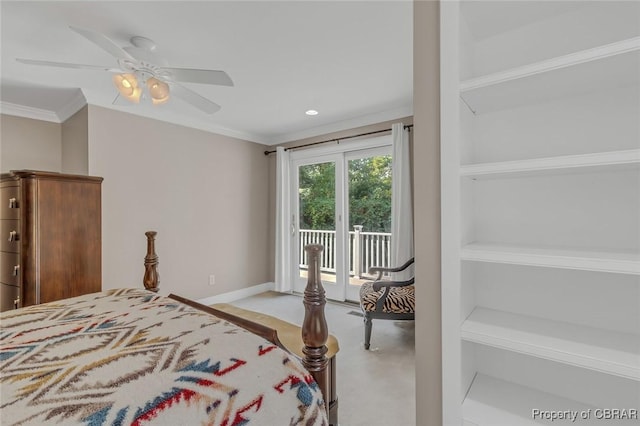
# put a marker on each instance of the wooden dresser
(50, 237)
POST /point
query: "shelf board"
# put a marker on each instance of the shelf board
(587, 347)
(612, 160)
(623, 262)
(494, 402)
(605, 67)
(548, 65)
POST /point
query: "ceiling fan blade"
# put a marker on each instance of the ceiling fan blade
(104, 42)
(189, 75)
(194, 99)
(67, 65)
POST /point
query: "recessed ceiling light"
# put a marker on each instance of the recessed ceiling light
(311, 112)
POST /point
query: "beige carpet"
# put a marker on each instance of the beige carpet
(375, 387)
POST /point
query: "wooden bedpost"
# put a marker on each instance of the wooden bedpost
(151, 277)
(315, 332)
(314, 327)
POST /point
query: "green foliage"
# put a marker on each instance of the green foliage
(369, 194)
(317, 196)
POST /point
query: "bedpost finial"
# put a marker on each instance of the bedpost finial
(151, 277)
(315, 331)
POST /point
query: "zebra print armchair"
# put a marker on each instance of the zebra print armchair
(385, 299)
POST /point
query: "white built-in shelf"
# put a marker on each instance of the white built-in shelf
(601, 161)
(623, 262)
(587, 347)
(584, 56)
(605, 67)
(494, 402)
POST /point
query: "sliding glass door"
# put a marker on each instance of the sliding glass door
(317, 219)
(368, 196)
(342, 201)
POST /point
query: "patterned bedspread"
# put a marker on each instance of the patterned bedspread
(128, 356)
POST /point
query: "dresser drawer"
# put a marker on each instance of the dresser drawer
(10, 235)
(10, 268)
(8, 296)
(9, 203)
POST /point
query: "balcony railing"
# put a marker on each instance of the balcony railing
(366, 249)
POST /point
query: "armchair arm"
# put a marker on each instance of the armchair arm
(387, 285)
(380, 270)
(377, 285)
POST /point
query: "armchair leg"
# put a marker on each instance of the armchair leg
(367, 331)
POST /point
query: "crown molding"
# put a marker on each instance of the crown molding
(28, 112)
(364, 120)
(79, 101)
(190, 123)
(220, 130)
(70, 108)
(60, 116)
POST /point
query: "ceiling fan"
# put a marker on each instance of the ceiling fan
(143, 75)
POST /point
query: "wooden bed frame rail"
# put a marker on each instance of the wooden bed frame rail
(315, 332)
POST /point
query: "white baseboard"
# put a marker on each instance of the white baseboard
(238, 294)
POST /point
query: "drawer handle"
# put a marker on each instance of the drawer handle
(13, 236)
(15, 270)
(13, 203)
(16, 303)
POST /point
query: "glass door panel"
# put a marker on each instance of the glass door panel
(368, 180)
(355, 185)
(317, 205)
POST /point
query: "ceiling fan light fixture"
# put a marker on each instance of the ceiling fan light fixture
(143, 76)
(127, 85)
(158, 90)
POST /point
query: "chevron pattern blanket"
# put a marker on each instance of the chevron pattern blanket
(131, 357)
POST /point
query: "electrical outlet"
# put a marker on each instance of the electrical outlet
(212, 280)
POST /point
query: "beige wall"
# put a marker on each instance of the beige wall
(272, 170)
(426, 133)
(212, 200)
(205, 194)
(29, 144)
(75, 155)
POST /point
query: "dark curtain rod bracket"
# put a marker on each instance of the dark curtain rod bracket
(337, 140)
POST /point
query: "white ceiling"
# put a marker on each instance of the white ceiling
(488, 18)
(350, 60)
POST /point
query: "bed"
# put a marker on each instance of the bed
(131, 356)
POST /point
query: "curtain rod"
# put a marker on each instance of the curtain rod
(408, 126)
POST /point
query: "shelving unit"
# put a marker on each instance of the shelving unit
(599, 350)
(600, 161)
(540, 181)
(498, 402)
(553, 64)
(611, 66)
(621, 262)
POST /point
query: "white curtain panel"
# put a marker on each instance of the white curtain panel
(401, 202)
(283, 227)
